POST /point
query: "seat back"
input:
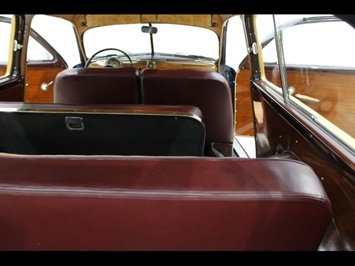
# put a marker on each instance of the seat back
(142, 203)
(136, 129)
(207, 90)
(96, 86)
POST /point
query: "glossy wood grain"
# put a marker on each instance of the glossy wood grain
(283, 134)
(335, 92)
(37, 76)
(244, 109)
(173, 65)
(141, 65)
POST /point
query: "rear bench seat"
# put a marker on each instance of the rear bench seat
(39, 129)
(157, 203)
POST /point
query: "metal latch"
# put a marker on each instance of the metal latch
(74, 123)
(17, 46)
(45, 86)
(253, 48)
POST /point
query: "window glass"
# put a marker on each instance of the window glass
(320, 44)
(236, 48)
(320, 63)
(265, 26)
(5, 37)
(170, 38)
(319, 60)
(59, 33)
(36, 52)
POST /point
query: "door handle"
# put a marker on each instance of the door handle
(45, 86)
(302, 97)
(305, 98)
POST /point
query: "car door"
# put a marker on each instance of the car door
(43, 64)
(302, 92)
(304, 81)
(11, 78)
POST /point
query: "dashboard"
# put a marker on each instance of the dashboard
(161, 63)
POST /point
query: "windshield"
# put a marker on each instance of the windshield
(170, 39)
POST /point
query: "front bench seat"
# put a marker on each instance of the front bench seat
(96, 86)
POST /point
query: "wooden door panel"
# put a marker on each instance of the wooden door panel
(318, 151)
(35, 78)
(334, 91)
(244, 108)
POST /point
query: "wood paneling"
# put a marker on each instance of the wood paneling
(141, 65)
(35, 77)
(244, 108)
(335, 92)
(283, 134)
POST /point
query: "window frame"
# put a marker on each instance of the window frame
(9, 63)
(297, 106)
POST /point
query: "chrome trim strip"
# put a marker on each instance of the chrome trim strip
(102, 111)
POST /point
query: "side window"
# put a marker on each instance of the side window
(320, 63)
(60, 34)
(36, 52)
(323, 44)
(320, 70)
(236, 44)
(5, 37)
(265, 26)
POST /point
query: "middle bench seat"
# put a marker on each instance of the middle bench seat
(97, 86)
(157, 130)
(209, 91)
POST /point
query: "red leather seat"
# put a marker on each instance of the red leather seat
(96, 86)
(207, 90)
(139, 203)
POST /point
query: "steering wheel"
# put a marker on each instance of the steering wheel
(107, 49)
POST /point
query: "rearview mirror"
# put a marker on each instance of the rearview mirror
(149, 29)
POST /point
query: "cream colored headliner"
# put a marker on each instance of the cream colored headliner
(83, 22)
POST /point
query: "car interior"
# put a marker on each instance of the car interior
(132, 158)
